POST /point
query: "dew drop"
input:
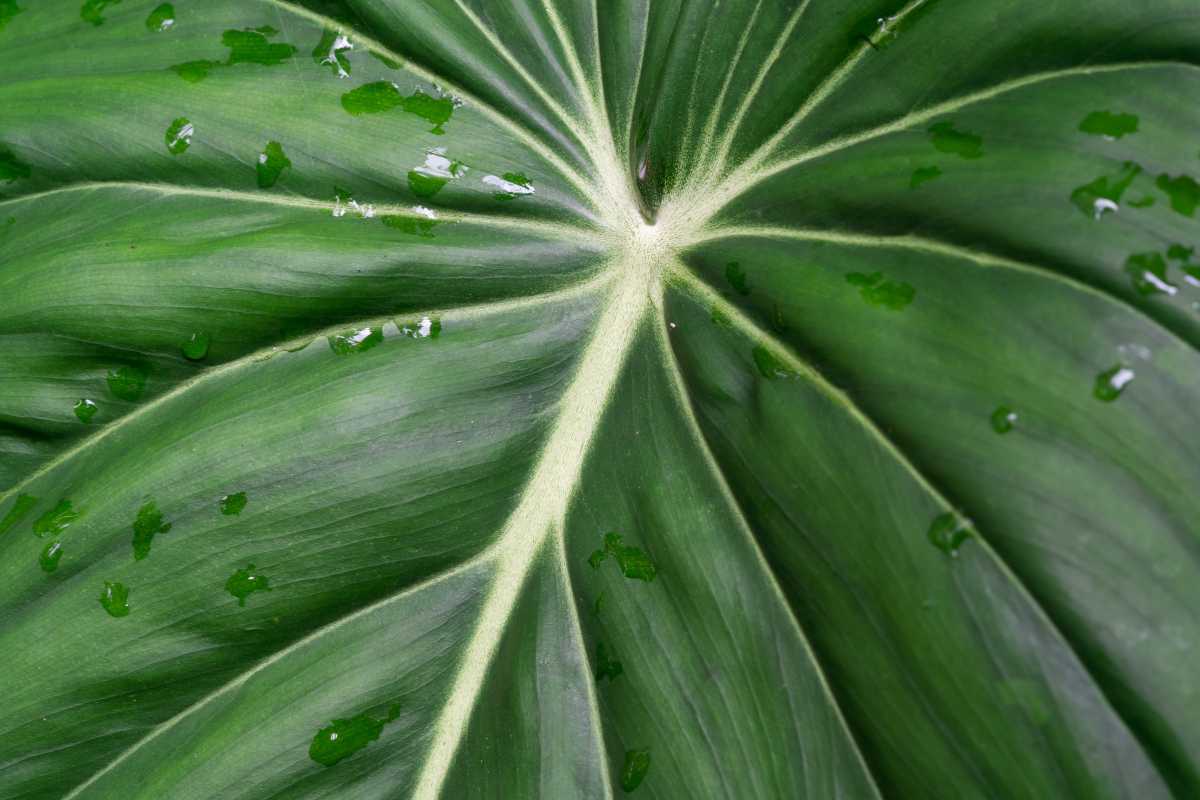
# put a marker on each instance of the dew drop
(127, 382)
(56, 520)
(1003, 419)
(179, 135)
(946, 139)
(357, 341)
(1111, 383)
(148, 523)
(115, 599)
(345, 737)
(232, 504)
(20, 509)
(948, 532)
(196, 347)
(162, 18)
(271, 164)
(51, 555)
(1109, 125)
(85, 409)
(245, 582)
(510, 186)
(637, 764)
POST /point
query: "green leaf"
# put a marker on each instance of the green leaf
(578, 400)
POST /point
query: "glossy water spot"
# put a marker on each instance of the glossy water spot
(92, 10)
(924, 175)
(148, 523)
(606, 665)
(51, 555)
(1112, 382)
(179, 135)
(271, 164)
(380, 96)
(736, 276)
(1183, 191)
(414, 226)
(431, 177)
(333, 52)
(633, 772)
(633, 561)
(245, 582)
(196, 347)
(8, 10)
(344, 203)
(358, 341)
(20, 509)
(251, 46)
(510, 186)
(85, 409)
(424, 328)
(11, 167)
(1109, 125)
(1148, 271)
(345, 737)
(877, 291)
(946, 139)
(1104, 194)
(56, 520)
(232, 504)
(162, 18)
(769, 365)
(1003, 419)
(115, 599)
(194, 71)
(127, 382)
(1183, 255)
(947, 533)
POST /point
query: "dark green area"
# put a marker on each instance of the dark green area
(1090, 198)
(148, 523)
(245, 582)
(736, 276)
(330, 53)
(878, 291)
(11, 167)
(232, 504)
(20, 509)
(8, 10)
(381, 96)
(1003, 419)
(248, 46)
(1183, 191)
(769, 365)
(56, 520)
(162, 18)
(947, 533)
(127, 382)
(1106, 123)
(115, 599)
(1111, 383)
(196, 346)
(633, 561)
(923, 175)
(85, 409)
(51, 555)
(414, 226)
(606, 665)
(960, 143)
(271, 164)
(345, 737)
(633, 772)
(91, 10)
(179, 135)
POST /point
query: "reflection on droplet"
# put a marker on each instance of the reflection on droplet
(637, 764)
(509, 187)
(924, 175)
(606, 665)
(431, 177)
(148, 523)
(51, 555)
(345, 737)
(127, 382)
(20, 508)
(633, 561)
(1183, 191)
(1148, 271)
(424, 328)
(271, 164)
(333, 52)
(11, 167)
(162, 18)
(355, 341)
(245, 582)
(948, 532)
(1111, 383)
(85, 409)
(179, 135)
(736, 276)
(1109, 125)
(1003, 419)
(1104, 194)
(877, 291)
(1183, 255)
(56, 520)
(947, 139)
(232, 504)
(196, 346)
(115, 599)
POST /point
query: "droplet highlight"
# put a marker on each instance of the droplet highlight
(344, 737)
(51, 555)
(1111, 383)
(948, 532)
(85, 409)
(245, 582)
(161, 19)
(179, 136)
(1004, 419)
(358, 341)
(115, 599)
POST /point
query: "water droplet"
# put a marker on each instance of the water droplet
(115, 599)
(56, 520)
(1109, 125)
(1112, 382)
(947, 533)
(91, 10)
(1003, 419)
(332, 51)
(345, 737)
(633, 561)
(924, 175)
(1103, 195)
(946, 139)
(8, 10)
(424, 328)
(245, 582)
(431, 177)
(196, 347)
(1148, 271)
(179, 136)
(737, 277)
(127, 382)
(194, 71)
(162, 18)
(86, 409)
(232, 504)
(381, 96)
(1183, 191)
(769, 365)
(149, 522)
(23, 505)
(637, 764)
(51, 555)
(509, 187)
(606, 665)
(892, 295)
(357, 341)
(271, 163)
(417, 225)
(11, 167)
(250, 46)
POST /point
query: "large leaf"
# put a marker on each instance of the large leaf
(545, 398)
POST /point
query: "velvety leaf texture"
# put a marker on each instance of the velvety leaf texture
(599, 398)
